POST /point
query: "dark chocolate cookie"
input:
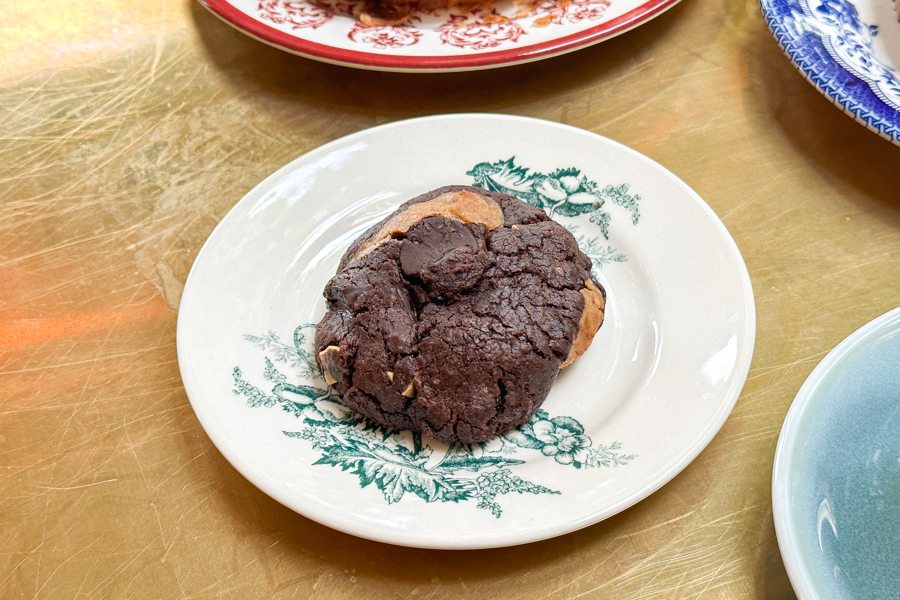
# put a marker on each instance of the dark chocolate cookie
(453, 316)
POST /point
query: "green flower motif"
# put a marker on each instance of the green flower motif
(563, 439)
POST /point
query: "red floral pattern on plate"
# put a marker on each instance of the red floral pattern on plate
(572, 11)
(475, 29)
(299, 14)
(385, 37)
(477, 35)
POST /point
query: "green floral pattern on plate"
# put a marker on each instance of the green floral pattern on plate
(399, 462)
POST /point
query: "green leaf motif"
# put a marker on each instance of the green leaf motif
(492, 484)
(399, 463)
(463, 463)
(254, 395)
(565, 192)
(295, 355)
(393, 477)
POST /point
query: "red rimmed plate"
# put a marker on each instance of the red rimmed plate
(508, 33)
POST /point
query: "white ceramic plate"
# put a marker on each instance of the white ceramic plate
(659, 380)
(447, 40)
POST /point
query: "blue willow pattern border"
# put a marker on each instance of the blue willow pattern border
(808, 51)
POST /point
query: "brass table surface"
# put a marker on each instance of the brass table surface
(128, 128)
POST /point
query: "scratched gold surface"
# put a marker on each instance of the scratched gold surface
(128, 128)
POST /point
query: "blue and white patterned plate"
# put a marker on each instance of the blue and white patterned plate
(652, 390)
(849, 50)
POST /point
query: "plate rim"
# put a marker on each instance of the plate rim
(435, 64)
(838, 92)
(420, 539)
(785, 451)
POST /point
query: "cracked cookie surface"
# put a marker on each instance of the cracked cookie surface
(453, 316)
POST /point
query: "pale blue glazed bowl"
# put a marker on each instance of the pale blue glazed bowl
(836, 481)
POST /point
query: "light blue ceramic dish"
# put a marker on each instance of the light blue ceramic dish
(836, 481)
